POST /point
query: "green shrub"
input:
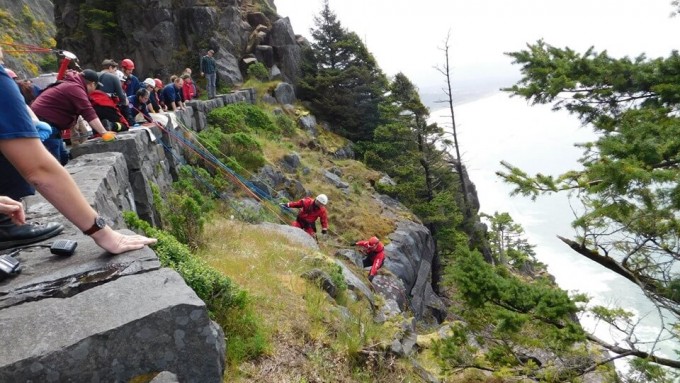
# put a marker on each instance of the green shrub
(227, 120)
(185, 209)
(240, 151)
(216, 290)
(242, 117)
(258, 71)
(285, 124)
(257, 118)
(227, 304)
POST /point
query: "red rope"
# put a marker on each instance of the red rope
(25, 48)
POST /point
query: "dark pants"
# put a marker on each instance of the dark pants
(12, 184)
(56, 146)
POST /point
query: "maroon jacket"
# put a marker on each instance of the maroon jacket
(63, 103)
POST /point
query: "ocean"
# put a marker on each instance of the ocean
(495, 128)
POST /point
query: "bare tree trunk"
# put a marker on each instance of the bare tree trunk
(446, 71)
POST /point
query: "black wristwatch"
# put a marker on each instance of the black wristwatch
(99, 223)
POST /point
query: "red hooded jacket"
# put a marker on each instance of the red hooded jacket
(377, 252)
(309, 211)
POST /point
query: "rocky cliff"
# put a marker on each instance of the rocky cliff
(29, 24)
(163, 37)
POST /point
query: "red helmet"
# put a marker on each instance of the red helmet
(373, 242)
(11, 73)
(127, 64)
(159, 83)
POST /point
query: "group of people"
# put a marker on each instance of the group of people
(27, 165)
(313, 209)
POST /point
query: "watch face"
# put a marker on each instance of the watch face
(100, 222)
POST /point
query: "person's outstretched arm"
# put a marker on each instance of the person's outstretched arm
(41, 169)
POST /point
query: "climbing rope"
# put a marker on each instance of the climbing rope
(196, 147)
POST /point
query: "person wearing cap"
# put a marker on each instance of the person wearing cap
(209, 70)
(110, 79)
(111, 83)
(21, 153)
(375, 255)
(311, 209)
(61, 104)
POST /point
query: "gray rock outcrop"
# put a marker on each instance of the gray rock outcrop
(166, 36)
(113, 333)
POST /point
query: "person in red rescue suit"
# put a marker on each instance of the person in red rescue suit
(311, 209)
(375, 255)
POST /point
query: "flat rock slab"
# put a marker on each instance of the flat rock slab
(136, 325)
(46, 275)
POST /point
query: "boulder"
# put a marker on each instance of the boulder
(287, 52)
(335, 180)
(275, 73)
(284, 93)
(124, 334)
(257, 18)
(290, 162)
(293, 233)
(265, 55)
(308, 124)
(322, 279)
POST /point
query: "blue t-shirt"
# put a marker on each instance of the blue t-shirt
(171, 94)
(133, 85)
(15, 122)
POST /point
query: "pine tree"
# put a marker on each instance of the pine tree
(628, 185)
(341, 79)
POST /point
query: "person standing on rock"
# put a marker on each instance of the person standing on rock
(311, 209)
(209, 70)
(24, 161)
(375, 255)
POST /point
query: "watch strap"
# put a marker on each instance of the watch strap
(99, 223)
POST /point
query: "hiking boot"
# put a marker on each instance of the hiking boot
(12, 235)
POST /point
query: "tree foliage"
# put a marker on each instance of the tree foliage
(628, 181)
(509, 244)
(341, 79)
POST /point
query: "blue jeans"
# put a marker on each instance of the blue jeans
(56, 146)
(210, 88)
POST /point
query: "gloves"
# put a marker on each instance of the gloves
(283, 204)
(324, 231)
(370, 277)
(352, 244)
(44, 130)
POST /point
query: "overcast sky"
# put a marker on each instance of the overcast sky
(405, 35)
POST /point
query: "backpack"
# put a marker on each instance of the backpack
(108, 112)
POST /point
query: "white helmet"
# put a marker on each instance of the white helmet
(322, 198)
(149, 82)
(121, 75)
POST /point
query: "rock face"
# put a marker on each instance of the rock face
(163, 37)
(97, 317)
(37, 29)
(409, 257)
(124, 334)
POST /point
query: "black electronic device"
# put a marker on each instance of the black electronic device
(9, 265)
(63, 247)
